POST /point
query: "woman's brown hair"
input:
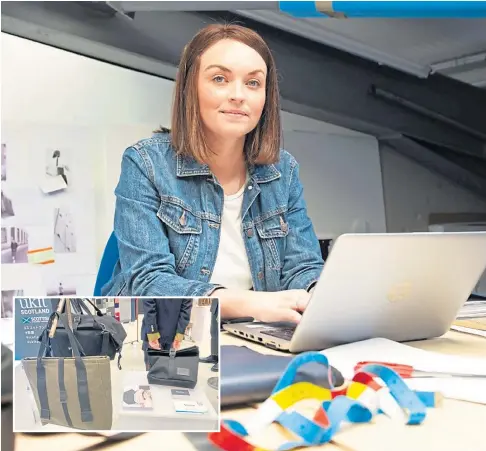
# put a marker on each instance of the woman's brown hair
(262, 144)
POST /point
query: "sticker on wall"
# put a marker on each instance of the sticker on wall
(15, 245)
(64, 231)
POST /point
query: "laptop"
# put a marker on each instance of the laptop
(404, 287)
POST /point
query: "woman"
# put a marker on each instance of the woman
(164, 323)
(216, 208)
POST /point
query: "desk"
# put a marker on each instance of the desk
(163, 416)
(456, 425)
(453, 426)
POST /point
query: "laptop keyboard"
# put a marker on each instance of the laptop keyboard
(285, 333)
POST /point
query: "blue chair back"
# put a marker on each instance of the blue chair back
(108, 262)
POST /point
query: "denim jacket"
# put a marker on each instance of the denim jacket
(168, 216)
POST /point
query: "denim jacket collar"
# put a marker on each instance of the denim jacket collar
(261, 173)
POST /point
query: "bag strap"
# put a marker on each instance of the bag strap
(69, 313)
(98, 311)
(63, 393)
(55, 315)
(84, 308)
(45, 412)
(81, 376)
(172, 362)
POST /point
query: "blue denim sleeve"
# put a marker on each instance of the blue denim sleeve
(303, 261)
(145, 255)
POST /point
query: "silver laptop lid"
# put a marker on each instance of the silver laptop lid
(399, 286)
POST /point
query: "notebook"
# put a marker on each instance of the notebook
(249, 377)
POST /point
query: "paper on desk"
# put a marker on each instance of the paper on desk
(470, 330)
(345, 357)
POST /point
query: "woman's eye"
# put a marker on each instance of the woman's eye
(218, 79)
(254, 83)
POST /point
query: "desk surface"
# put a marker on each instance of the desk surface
(163, 414)
(456, 425)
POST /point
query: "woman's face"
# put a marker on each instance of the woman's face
(231, 88)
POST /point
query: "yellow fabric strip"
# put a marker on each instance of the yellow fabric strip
(154, 336)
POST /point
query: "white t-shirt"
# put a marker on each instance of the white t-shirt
(232, 269)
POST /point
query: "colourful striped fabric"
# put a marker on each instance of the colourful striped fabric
(374, 390)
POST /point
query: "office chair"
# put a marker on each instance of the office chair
(108, 262)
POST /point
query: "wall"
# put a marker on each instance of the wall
(92, 111)
(412, 192)
(341, 176)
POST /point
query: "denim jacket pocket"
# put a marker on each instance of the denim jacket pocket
(184, 230)
(273, 230)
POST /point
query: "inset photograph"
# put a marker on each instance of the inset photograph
(61, 288)
(4, 162)
(116, 364)
(64, 232)
(7, 206)
(57, 173)
(15, 245)
(7, 302)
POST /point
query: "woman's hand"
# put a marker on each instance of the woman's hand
(177, 343)
(279, 306)
(154, 344)
(263, 306)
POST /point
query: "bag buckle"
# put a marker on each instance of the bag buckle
(172, 352)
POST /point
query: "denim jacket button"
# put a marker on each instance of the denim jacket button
(260, 275)
(249, 233)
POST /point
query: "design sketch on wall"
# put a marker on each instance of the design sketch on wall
(4, 162)
(56, 177)
(7, 302)
(64, 231)
(15, 244)
(61, 288)
(7, 207)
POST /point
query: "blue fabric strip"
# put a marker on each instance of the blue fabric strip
(389, 9)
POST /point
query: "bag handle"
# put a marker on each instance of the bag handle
(83, 307)
(98, 311)
(69, 314)
(76, 347)
(106, 335)
(52, 325)
(80, 303)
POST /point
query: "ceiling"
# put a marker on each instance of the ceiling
(452, 47)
